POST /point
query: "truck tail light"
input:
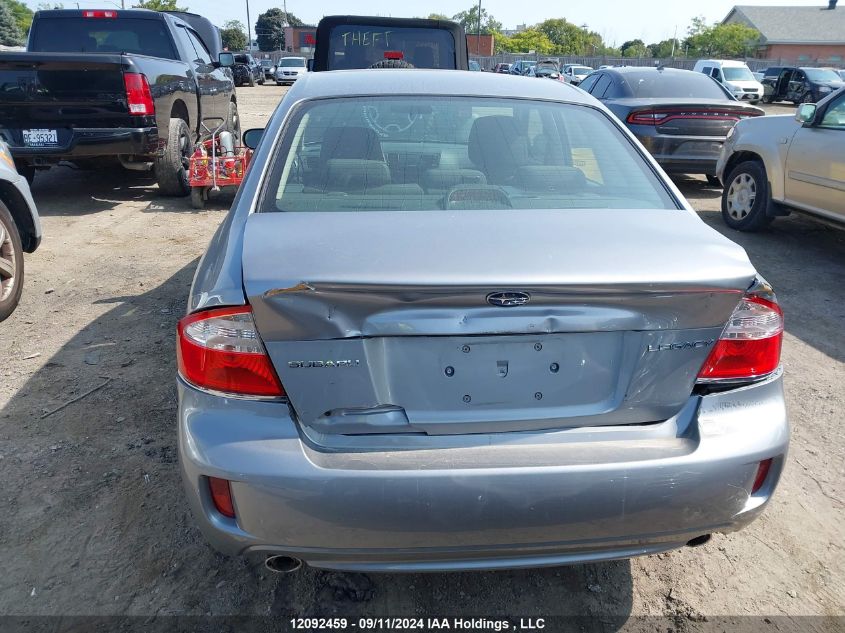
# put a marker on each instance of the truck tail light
(220, 350)
(138, 95)
(749, 347)
(99, 13)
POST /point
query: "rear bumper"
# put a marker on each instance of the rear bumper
(500, 501)
(90, 142)
(683, 154)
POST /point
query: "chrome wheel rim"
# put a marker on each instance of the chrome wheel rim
(741, 196)
(7, 262)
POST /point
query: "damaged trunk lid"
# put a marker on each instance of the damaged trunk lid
(485, 321)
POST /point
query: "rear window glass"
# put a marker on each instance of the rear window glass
(429, 153)
(359, 46)
(101, 35)
(292, 62)
(676, 85)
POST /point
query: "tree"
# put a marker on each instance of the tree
(21, 14)
(50, 6)
(723, 40)
(159, 5)
(10, 32)
(469, 20)
(666, 48)
(234, 36)
(439, 16)
(530, 40)
(270, 28)
(570, 39)
(634, 48)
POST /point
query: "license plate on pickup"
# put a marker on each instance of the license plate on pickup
(40, 138)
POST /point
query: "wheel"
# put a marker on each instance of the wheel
(171, 168)
(713, 181)
(392, 63)
(11, 264)
(198, 197)
(768, 99)
(754, 102)
(807, 98)
(233, 122)
(746, 197)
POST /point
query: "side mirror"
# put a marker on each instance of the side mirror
(806, 113)
(252, 137)
(226, 60)
(309, 65)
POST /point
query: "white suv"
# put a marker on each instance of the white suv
(735, 76)
(289, 69)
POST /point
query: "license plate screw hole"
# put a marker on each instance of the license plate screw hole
(450, 371)
(467, 398)
(465, 349)
(538, 346)
(538, 396)
(554, 368)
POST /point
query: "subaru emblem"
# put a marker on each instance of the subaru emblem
(508, 299)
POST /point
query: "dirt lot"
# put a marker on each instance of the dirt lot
(94, 520)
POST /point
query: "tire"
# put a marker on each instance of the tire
(11, 264)
(233, 122)
(251, 81)
(768, 99)
(807, 98)
(746, 197)
(198, 196)
(754, 102)
(392, 63)
(261, 82)
(171, 169)
(713, 181)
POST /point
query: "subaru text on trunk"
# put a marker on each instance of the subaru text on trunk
(464, 321)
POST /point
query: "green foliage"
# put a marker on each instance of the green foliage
(21, 14)
(666, 48)
(270, 28)
(439, 16)
(634, 48)
(234, 35)
(720, 40)
(159, 5)
(529, 40)
(570, 39)
(10, 32)
(469, 20)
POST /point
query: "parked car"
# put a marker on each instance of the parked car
(347, 42)
(20, 231)
(502, 68)
(247, 70)
(547, 70)
(735, 76)
(470, 405)
(800, 85)
(124, 85)
(682, 117)
(269, 69)
(576, 73)
(289, 69)
(521, 67)
(474, 66)
(777, 163)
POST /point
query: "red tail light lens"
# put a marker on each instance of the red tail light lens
(221, 350)
(138, 94)
(221, 495)
(658, 117)
(749, 347)
(762, 473)
(394, 55)
(98, 13)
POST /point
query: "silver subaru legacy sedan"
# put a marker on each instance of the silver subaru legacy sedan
(463, 321)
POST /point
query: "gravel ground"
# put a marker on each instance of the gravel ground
(94, 521)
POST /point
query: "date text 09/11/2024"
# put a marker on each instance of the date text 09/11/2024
(419, 624)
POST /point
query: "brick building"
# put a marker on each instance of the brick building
(480, 46)
(800, 35)
(300, 39)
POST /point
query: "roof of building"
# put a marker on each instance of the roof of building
(793, 25)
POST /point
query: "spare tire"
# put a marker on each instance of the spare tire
(392, 63)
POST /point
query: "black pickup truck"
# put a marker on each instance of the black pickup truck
(131, 85)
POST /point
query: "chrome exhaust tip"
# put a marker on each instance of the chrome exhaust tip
(282, 564)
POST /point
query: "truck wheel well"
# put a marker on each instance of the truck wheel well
(180, 111)
(20, 214)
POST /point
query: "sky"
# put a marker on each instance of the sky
(616, 20)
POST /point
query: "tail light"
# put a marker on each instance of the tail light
(762, 472)
(221, 496)
(658, 117)
(138, 94)
(220, 350)
(749, 346)
(394, 55)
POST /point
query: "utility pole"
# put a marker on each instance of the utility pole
(478, 34)
(287, 24)
(674, 39)
(248, 30)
